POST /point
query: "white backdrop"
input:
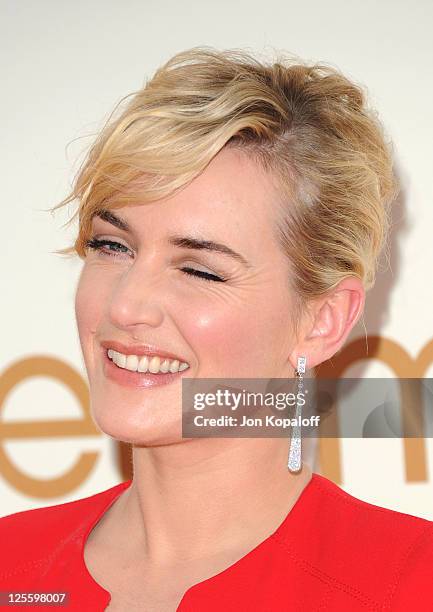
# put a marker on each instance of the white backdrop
(64, 66)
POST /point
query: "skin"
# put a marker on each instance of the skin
(239, 489)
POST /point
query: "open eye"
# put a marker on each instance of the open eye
(111, 248)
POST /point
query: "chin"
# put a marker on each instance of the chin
(140, 430)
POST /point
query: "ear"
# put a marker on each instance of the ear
(329, 321)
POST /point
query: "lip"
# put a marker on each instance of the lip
(127, 378)
(140, 349)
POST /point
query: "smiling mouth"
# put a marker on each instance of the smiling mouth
(146, 363)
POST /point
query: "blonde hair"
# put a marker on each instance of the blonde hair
(308, 125)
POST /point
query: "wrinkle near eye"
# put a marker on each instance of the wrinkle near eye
(240, 290)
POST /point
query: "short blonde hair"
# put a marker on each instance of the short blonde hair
(308, 125)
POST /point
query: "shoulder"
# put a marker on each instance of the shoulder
(383, 554)
(31, 535)
(353, 515)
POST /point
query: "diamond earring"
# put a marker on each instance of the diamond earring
(295, 452)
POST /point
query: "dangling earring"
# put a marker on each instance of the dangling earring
(295, 452)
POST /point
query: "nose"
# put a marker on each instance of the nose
(137, 299)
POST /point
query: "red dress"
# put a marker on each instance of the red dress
(332, 552)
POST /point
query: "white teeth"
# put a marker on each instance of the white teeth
(155, 364)
(174, 366)
(131, 363)
(119, 359)
(165, 366)
(143, 364)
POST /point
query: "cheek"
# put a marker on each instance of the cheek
(233, 340)
(89, 301)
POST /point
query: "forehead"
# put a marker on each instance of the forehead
(233, 198)
(234, 184)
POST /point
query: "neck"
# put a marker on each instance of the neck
(197, 496)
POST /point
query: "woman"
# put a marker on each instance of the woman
(230, 220)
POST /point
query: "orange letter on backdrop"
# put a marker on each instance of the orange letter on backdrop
(60, 371)
(400, 362)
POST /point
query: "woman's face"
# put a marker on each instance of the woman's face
(141, 293)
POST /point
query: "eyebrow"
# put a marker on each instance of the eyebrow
(110, 217)
(186, 242)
